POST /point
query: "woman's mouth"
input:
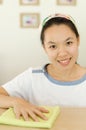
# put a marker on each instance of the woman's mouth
(64, 62)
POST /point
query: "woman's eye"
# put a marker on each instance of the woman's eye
(53, 46)
(69, 42)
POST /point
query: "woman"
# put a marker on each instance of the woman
(61, 82)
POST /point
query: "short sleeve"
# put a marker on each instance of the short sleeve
(20, 86)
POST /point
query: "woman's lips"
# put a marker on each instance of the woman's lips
(64, 62)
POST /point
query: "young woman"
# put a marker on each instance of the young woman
(61, 82)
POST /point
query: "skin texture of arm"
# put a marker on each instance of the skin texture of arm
(21, 106)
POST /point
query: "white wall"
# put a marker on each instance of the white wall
(21, 48)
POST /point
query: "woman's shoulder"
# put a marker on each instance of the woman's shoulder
(38, 69)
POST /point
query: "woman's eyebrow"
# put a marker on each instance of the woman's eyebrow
(51, 42)
(69, 38)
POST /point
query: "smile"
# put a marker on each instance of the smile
(64, 62)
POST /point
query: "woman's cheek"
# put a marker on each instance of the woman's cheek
(74, 50)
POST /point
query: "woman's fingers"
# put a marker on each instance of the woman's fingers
(42, 109)
(17, 114)
(25, 115)
(40, 114)
(33, 116)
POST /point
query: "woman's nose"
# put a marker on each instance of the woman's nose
(62, 51)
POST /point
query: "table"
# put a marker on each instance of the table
(69, 119)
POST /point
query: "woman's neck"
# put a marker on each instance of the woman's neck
(75, 73)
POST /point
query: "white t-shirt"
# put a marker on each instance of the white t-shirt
(36, 86)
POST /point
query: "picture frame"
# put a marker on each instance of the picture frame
(29, 20)
(0, 1)
(29, 2)
(66, 2)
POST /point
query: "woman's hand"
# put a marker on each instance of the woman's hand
(26, 109)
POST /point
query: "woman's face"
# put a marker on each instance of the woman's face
(61, 46)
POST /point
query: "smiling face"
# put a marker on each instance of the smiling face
(61, 46)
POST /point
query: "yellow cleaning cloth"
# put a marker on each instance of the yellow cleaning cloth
(8, 117)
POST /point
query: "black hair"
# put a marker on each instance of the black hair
(58, 21)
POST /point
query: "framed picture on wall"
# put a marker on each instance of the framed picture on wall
(29, 20)
(66, 2)
(29, 2)
(0, 1)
